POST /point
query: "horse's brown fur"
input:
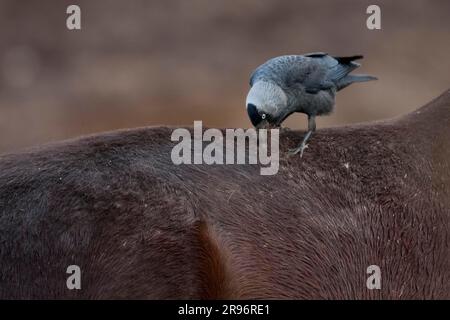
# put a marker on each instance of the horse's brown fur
(140, 227)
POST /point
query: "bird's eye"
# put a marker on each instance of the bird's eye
(263, 116)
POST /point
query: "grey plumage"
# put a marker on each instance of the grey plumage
(299, 83)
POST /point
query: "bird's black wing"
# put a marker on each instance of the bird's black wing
(316, 70)
(316, 55)
(326, 71)
(344, 67)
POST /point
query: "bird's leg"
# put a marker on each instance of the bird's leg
(303, 145)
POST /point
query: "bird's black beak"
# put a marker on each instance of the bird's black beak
(254, 115)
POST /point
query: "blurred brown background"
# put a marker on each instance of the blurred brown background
(138, 63)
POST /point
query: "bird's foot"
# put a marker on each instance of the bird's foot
(300, 149)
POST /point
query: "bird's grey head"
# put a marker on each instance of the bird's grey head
(266, 104)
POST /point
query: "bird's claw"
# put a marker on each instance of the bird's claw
(300, 149)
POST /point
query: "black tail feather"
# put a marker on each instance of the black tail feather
(347, 60)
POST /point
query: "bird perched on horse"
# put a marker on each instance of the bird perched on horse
(299, 83)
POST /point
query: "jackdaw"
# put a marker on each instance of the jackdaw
(299, 83)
